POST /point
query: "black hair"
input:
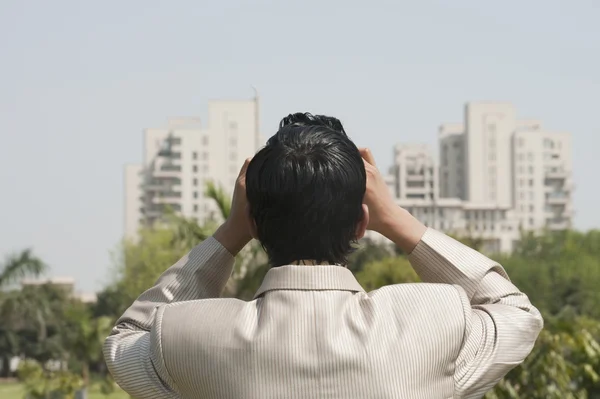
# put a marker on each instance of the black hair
(305, 190)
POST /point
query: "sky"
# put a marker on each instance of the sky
(80, 80)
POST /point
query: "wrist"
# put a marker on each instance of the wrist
(232, 236)
(402, 228)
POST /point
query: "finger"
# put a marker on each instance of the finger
(245, 166)
(367, 155)
(370, 169)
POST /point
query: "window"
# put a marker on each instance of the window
(492, 128)
(233, 125)
(195, 168)
(521, 157)
(233, 141)
(531, 221)
(531, 208)
(205, 168)
(522, 208)
(205, 156)
(195, 194)
(531, 196)
(530, 156)
(522, 195)
(233, 156)
(195, 182)
(205, 140)
(530, 182)
(521, 142)
(194, 155)
(492, 156)
(195, 207)
(531, 169)
(521, 169)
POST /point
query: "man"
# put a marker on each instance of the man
(311, 330)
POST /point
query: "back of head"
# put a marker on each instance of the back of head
(305, 190)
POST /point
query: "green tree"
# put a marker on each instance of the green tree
(388, 271)
(41, 383)
(83, 336)
(368, 251)
(30, 320)
(21, 265)
(564, 363)
(16, 267)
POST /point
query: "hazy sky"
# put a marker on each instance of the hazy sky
(80, 80)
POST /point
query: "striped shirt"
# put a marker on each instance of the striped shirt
(313, 332)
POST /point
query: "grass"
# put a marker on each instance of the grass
(14, 390)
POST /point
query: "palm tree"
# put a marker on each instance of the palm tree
(220, 197)
(251, 264)
(16, 267)
(83, 336)
(19, 266)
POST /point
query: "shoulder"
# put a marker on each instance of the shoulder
(203, 311)
(420, 292)
(429, 303)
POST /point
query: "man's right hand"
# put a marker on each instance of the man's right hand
(385, 216)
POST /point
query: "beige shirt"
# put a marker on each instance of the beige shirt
(313, 332)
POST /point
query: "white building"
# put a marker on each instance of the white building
(497, 175)
(415, 175)
(543, 182)
(179, 159)
(67, 284)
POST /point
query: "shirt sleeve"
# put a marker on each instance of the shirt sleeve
(133, 351)
(501, 324)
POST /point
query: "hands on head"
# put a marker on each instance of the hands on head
(385, 217)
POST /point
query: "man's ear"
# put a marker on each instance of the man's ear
(361, 227)
(251, 223)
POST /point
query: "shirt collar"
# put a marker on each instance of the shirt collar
(317, 278)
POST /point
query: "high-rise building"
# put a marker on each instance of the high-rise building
(179, 160)
(415, 183)
(543, 183)
(497, 175)
(414, 172)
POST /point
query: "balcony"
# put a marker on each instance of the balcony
(556, 173)
(157, 210)
(166, 200)
(168, 170)
(558, 224)
(415, 177)
(557, 198)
